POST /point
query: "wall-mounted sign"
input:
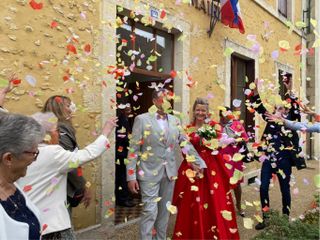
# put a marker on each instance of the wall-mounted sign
(211, 8)
(154, 13)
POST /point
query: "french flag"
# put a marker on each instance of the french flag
(230, 14)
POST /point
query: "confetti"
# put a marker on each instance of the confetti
(53, 24)
(226, 215)
(157, 199)
(236, 103)
(248, 223)
(3, 83)
(35, 5)
(228, 51)
(31, 80)
(171, 208)
(284, 45)
(194, 188)
(27, 188)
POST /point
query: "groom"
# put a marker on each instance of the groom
(155, 138)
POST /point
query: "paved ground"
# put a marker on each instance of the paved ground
(302, 195)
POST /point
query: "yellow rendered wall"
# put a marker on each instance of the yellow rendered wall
(207, 57)
(29, 46)
(206, 53)
(298, 10)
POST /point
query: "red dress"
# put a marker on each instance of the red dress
(205, 206)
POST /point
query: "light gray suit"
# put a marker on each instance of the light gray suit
(152, 161)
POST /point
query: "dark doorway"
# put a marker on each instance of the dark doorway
(146, 53)
(283, 77)
(242, 74)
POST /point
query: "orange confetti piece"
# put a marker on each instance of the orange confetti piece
(16, 81)
(72, 48)
(44, 227)
(54, 24)
(58, 99)
(27, 188)
(87, 48)
(130, 172)
(163, 14)
(35, 5)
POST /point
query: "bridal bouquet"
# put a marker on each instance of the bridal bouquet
(207, 132)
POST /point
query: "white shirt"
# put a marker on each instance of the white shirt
(162, 121)
(47, 177)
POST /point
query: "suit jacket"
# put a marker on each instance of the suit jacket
(278, 137)
(152, 151)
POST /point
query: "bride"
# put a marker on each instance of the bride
(204, 202)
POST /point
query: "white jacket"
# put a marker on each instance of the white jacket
(11, 229)
(47, 177)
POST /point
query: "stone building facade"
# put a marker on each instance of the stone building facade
(67, 48)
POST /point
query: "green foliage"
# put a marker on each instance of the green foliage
(279, 227)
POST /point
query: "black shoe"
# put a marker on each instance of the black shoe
(127, 203)
(260, 226)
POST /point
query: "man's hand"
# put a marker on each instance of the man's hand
(197, 169)
(133, 186)
(86, 200)
(274, 117)
(307, 110)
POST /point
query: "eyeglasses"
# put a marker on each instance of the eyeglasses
(35, 154)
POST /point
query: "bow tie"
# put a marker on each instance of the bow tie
(163, 117)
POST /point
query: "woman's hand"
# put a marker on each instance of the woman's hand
(86, 200)
(109, 125)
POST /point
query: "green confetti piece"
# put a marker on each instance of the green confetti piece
(316, 43)
(301, 24)
(3, 83)
(228, 51)
(313, 22)
(152, 58)
(120, 9)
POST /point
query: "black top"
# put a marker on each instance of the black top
(67, 140)
(122, 139)
(278, 137)
(15, 206)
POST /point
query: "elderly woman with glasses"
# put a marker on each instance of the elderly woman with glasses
(19, 139)
(46, 179)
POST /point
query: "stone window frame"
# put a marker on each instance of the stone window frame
(285, 68)
(274, 12)
(242, 51)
